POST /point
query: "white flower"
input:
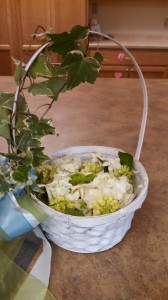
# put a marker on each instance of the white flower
(112, 163)
(73, 196)
(105, 185)
(90, 195)
(67, 163)
(60, 186)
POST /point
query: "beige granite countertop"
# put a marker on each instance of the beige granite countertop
(109, 114)
(138, 41)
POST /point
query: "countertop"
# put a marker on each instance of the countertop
(138, 41)
(109, 114)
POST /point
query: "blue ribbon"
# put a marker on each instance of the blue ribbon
(12, 222)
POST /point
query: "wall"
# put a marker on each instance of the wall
(131, 16)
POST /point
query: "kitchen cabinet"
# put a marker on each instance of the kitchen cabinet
(19, 20)
(153, 62)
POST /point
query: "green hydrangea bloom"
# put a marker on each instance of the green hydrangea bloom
(124, 170)
(105, 205)
(91, 167)
(46, 173)
(60, 203)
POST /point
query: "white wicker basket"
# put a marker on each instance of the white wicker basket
(94, 234)
(99, 233)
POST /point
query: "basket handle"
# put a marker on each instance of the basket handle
(143, 85)
(144, 91)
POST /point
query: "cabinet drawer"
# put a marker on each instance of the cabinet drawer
(145, 57)
(130, 72)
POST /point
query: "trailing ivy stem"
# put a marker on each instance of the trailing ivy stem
(50, 104)
(17, 93)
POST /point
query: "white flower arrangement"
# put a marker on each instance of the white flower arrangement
(95, 186)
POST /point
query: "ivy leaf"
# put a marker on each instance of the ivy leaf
(28, 159)
(98, 57)
(4, 125)
(19, 73)
(57, 85)
(21, 173)
(22, 106)
(6, 100)
(40, 89)
(40, 127)
(79, 32)
(39, 67)
(25, 140)
(20, 122)
(126, 159)
(73, 211)
(11, 156)
(4, 130)
(4, 186)
(79, 69)
(68, 41)
(38, 156)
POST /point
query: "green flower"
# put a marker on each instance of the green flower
(124, 170)
(105, 205)
(45, 173)
(60, 203)
(91, 167)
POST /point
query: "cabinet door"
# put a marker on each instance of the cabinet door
(20, 19)
(8, 39)
(67, 13)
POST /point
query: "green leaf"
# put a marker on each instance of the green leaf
(79, 178)
(79, 69)
(25, 140)
(11, 156)
(38, 156)
(6, 100)
(4, 186)
(4, 125)
(98, 57)
(126, 159)
(20, 122)
(79, 32)
(19, 73)
(22, 106)
(68, 41)
(89, 177)
(21, 173)
(40, 89)
(73, 212)
(39, 67)
(4, 131)
(40, 127)
(29, 204)
(57, 85)
(28, 159)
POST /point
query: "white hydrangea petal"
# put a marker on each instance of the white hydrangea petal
(104, 184)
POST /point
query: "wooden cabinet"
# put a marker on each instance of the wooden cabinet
(153, 62)
(19, 20)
